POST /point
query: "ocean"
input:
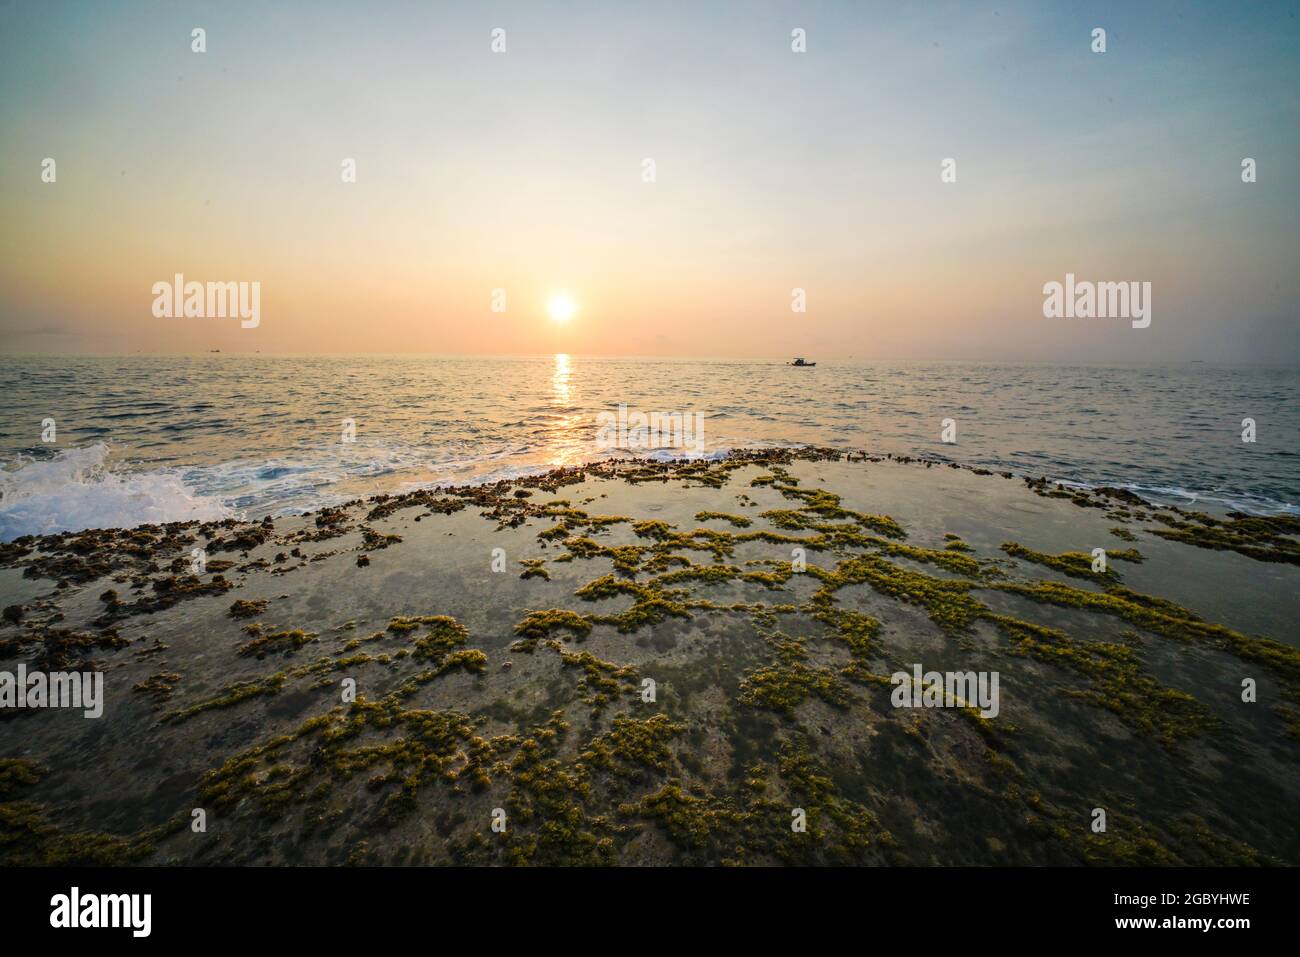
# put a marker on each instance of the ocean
(149, 439)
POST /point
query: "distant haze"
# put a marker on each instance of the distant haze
(774, 170)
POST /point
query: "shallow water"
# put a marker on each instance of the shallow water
(157, 438)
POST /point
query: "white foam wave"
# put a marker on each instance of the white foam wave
(76, 490)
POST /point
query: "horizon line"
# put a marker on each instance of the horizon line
(764, 359)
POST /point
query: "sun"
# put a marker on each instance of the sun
(561, 307)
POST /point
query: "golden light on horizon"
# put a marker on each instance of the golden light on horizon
(560, 380)
(564, 433)
(561, 307)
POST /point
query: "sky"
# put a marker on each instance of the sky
(524, 171)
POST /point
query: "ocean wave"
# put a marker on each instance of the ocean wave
(1189, 498)
(674, 454)
(76, 490)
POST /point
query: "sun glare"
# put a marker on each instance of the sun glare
(561, 307)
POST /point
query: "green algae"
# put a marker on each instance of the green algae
(827, 505)
(539, 624)
(787, 681)
(1167, 619)
(653, 529)
(244, 608)
(651, 602)
(719, 574)
(1118, 683)
(601, 681)
(1074, 564)
(534, 568)
(626, 558)
(404, 623)
(947, 559)
(753, 826)
(262, 644)
(372, 540)
(233, 694)
(471, 659)
(739, 521)
(445, 634)
(1268, 538)
(18, 774)
(158, 686)
(632, 746)
(430, 749)
(948, 602)
(30, 838)
(571, 520)
(1161, 616)
(60, 649)
(857, 631)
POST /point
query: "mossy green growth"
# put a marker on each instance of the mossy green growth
(1074, 564)
(651, 602)
(739, 521)
(1128, 841)
(1118, 683)
(1164, 617)
(263, 644)
(634, 746)
(28, 838)
(245, 608)
(445, 634)
(788, 680)
(547, 808)
(1265, 538)
(408, 623)
(540, 624)
(948, 601)
(949, 560)
(692, 819)
(1169, 620)
(753, 824)
(626, 558)
(827, 504)
(855, 629)
(653, 529)
(432, 746)
(534, 568)
(231, 695)
(18, 774)
(854, 829)
(471, 659)
(747, 738)
(1125, 555)
(718, 574)
(602, 681)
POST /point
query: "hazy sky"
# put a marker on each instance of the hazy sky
(523, 171)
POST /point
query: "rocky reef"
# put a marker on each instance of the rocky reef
(665, 662)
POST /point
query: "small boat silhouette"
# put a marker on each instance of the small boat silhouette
(802, 363)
